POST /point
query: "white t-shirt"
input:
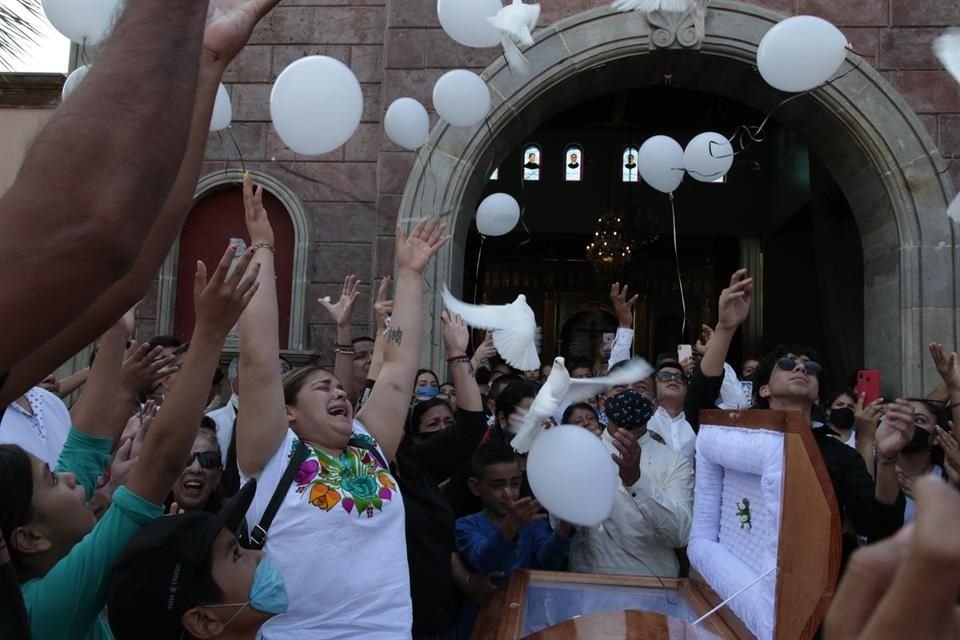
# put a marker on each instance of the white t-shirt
(338, 539)
(42, 434)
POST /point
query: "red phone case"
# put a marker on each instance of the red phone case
(868, 385)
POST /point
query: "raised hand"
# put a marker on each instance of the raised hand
(689, 366)
(948, 366)
(622, 307)
(383, 306)
(951, 453)
(627, 457)
(342, 312)
(414, 252)
(255, 214)
(486, 350)
(456, 335)
(229, 25)
(220, 301)
(145, 368)
(706, 334)
(867, 416)
(735, 301)
(896, 430)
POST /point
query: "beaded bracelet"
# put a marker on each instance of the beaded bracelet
(265, 245)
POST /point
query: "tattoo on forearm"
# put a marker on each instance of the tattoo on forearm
(394, 335)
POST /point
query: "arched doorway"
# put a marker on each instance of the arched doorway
(215, 221)
(870, 142)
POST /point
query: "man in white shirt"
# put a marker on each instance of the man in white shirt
(654, 503)
(38, 422)
(225, 416)
(669, 420)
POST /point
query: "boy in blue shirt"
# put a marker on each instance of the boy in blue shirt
(510, 533)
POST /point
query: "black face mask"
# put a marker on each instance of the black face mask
(842, 418)
(426, 435)
(920, 442)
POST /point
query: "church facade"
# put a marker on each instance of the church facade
(888, 133)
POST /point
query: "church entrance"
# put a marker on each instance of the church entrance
(775, 212)
(848, 161)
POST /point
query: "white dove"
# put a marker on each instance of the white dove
(649, 6)
(513, 325)
(516, 23)
(947, 48)
(561, 390)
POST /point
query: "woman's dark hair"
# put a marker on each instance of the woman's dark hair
(761, 376)
(513, 394)
(16, 478)
(208, 429)
(293, 382)
(419, 409)
(574, 407)
(840, 392)
(423, 371)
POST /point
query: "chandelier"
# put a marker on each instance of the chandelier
(609, 250)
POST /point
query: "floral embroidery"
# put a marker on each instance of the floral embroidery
(356, 480)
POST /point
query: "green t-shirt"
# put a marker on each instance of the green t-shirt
(69, 600)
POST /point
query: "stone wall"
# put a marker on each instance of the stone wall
(397, 48)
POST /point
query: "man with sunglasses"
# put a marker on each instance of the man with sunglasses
(670, 421)
(789, 378)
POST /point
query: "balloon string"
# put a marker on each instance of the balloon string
(236, 146)
(676, 254)
(727, 601)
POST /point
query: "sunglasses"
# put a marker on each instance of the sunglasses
(666, 376)
(207, 459)
(789, 364)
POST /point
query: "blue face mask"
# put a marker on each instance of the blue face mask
(268, 593)
(427, 392)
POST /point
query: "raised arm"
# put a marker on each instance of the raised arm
(385, 412)
(218, 304)
(83, 216)
(262, 422)
(224, 37)
(382, 310)
(623, 343)
(734, 307)
(456, 337)
(948, 366)
(342, 314)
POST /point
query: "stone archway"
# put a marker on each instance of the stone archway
(872, 143)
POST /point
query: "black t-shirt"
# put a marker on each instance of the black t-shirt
(431, 521)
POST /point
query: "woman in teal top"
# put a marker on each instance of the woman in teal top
(62, 555)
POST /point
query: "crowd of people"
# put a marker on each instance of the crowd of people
(371, 499)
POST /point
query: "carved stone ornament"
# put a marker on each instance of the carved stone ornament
(678, 30)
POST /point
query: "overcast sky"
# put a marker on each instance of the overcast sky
(49, 54)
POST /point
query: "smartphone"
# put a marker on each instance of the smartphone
(868, 385)
(746, 390)
(684, 352)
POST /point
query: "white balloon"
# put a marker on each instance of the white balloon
(461, 98)
(222, 110)
(316, 105)
(572, 475)
(660, 162)
(497, 215)
(83, 21)
(407, 123)
(801, 53)
(74, 79)
(708, 157)
(466, 21)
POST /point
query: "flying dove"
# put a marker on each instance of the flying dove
(516, 23)
(947, 48)
(513, 325)
(560, 390)
(650, 6)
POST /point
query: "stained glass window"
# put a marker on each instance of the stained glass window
(531, 163)
(630, 171)
(573, 164)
